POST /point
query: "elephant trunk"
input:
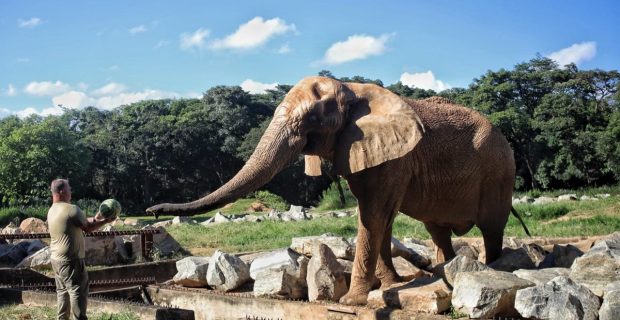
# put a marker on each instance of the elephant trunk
(276, 150)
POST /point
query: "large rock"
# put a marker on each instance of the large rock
(33, 225)
(296, 213)
(568, 197)
(11, 228)
(38, 260)
(428, 295)
(561, 257)
(422, 254)
(610, 309)
(164, 244)
(34, 246)
(560, 298)
(486, 294)
(448, 271)
(227, 272)
(163, 224)
(274, 259)
(338, 245)
(283, 281)
(598, 267)
(325, 277)
(192, 272)
(544, 200)
(513, 259)
(12, 254)
(183, 219)
(417, 259)
(542, 276)
(101, 251)
(405, 268)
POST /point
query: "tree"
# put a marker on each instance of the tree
(33, 154)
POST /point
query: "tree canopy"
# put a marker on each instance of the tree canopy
(562, 123)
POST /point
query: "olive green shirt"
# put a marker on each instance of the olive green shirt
(64, 221)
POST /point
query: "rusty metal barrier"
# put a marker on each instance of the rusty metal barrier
(146, 237)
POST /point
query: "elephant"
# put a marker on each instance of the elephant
(440, 163)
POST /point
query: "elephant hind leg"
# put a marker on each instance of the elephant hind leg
(493, 240)
(441, 238)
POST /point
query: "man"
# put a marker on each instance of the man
(67, 224)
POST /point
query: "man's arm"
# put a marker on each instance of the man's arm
(96, 222)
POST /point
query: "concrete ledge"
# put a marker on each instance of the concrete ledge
(161, 270)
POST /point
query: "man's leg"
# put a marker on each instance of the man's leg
(78, 290)
(62, 296)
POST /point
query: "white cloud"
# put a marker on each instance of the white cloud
(577, 53)
(109, 89)
(195, 39)
(256, 87)
(284, 49)
(46, 88)
(10, 91)
(30, 23)
(4, 112)
(253, 33)
(73, 99)
(161, 43)
(26, 112)
(113, 101)
(423, 80)
(356, 47)
(137, 29)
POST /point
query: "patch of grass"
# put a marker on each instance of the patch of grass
(271, 200)
(330, 199)
(543, 212)
(20, 311)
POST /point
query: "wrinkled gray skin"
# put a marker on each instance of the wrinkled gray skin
(437, 162)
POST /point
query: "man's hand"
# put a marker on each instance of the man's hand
(100, 218)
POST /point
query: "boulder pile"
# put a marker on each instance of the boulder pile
(540, 281)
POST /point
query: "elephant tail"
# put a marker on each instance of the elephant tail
(516, 214)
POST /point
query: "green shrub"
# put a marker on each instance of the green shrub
(271, 200)
(89, 206)
(9, 214)
(330, 199)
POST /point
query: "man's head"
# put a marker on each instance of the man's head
(61, 190)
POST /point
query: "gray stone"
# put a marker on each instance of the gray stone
(192, 272)
(325, 279)
(542, 276)
(163, 224)
(101, 251)
(603, 195)
(467, 251)
(227, 272)
(274, 215)
(253, 218)
(449, 270)
(406, 269)
(544, 200)
(38, 260)
(610, 309)
(220, 218)
(274, 259)
(568, 197)
(338, 245)
(421, 255)
(486, 294)
(428, 295)
(561, 257)
(164, 243)
(598, 267)
(513, 259)
(283, 281)
(588, 198)
(182, 219)
(35, 246)
(12, 254)
(560, 298)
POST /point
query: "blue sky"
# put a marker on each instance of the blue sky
(109, 53)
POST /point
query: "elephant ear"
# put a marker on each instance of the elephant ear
(381, 127)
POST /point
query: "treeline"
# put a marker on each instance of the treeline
(563, 124)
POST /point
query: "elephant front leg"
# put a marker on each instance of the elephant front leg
(363, 276)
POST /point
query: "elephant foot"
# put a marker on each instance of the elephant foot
(354, 299)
